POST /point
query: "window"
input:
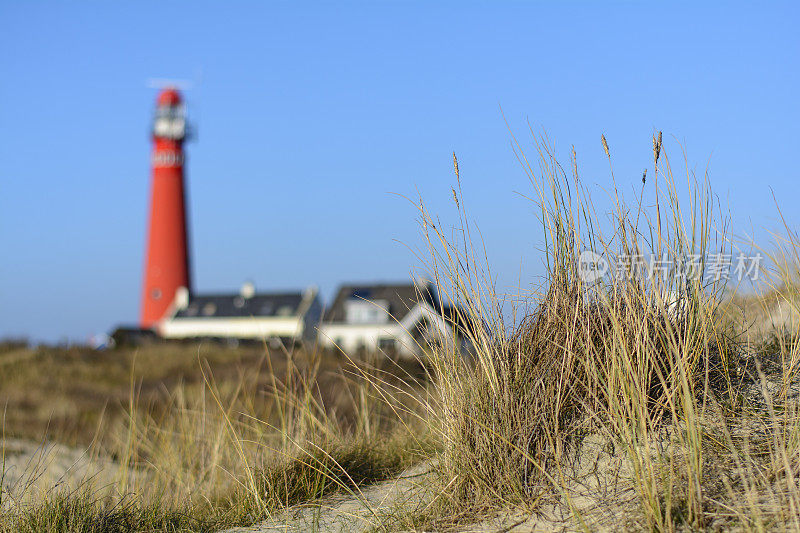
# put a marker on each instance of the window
(365, 312)
(386, 343)
(169, 122)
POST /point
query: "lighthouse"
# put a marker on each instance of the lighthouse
(167, 255)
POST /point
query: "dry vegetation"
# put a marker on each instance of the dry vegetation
(687, 413)
(640, 402)
(77, 395)
(201, 437)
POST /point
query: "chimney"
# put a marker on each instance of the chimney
(309, 294)
(248, 290)
(182, 298)
(426, 289)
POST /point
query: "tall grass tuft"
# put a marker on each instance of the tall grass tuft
(626, 354)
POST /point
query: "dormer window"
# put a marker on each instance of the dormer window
(366, 312)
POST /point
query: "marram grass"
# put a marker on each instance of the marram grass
(641, 401)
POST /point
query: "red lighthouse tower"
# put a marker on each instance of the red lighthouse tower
(167, 263)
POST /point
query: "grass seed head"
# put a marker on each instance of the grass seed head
(656, 147)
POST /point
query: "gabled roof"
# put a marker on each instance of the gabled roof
(236, 305)
(401, 297)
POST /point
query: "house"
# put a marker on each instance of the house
(284, 316)
(402, 318)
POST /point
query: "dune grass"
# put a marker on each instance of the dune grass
(646, 358)
(282, 429)
(642, 399)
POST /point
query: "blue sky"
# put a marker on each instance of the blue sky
(315, 119)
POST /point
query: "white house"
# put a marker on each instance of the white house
(401, 318)
(285, 316)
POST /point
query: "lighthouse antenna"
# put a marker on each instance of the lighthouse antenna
(161, 83)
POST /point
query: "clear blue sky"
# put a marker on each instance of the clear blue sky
(312, 115)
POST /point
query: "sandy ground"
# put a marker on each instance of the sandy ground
(597, 491)
(30, 469)
(361, 511)
(591, 495)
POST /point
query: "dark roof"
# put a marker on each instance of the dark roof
(402, 297)
(462, 319)
(235, 305)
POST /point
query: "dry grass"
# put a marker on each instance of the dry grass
(637, 402)
(653, 365)
(71, 394)
(202, 443)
